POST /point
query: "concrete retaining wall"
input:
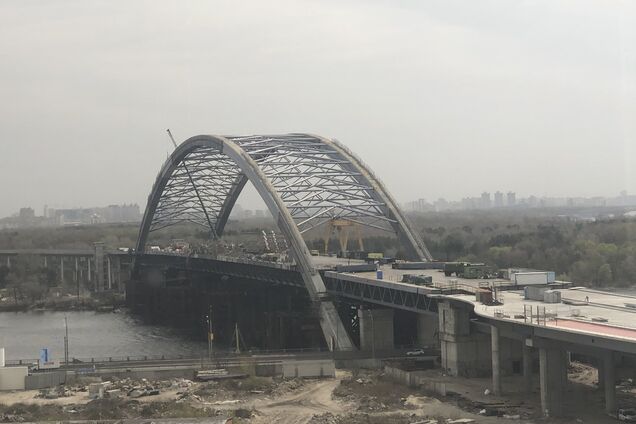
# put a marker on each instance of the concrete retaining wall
(44, 380)
(414, 379)
(300, 369)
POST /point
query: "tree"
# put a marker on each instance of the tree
(453, 246)
(4, 272)
(604, 275)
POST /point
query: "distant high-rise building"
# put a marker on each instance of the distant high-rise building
(485, 200)
(511, 198)
(27, 213)
(499, 202)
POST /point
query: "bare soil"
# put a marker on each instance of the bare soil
(362, 397)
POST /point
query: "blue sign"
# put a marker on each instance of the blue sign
(44, 356)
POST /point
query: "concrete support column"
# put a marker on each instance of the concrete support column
(376, 329)
(62, 269)
(496, 360)
(609, 382)
(8, 261)
(552, 364)
(99, 266)
(110, 277)
(76, 270)
(46, 263)
(427, 330)
(527, 368)
(88, 260)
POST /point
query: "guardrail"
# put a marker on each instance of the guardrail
(222, 356)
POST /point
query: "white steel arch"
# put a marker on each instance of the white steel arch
(304, 180)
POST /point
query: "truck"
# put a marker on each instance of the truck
(456, 268)
(469, 270)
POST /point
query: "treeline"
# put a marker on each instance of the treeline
(600, 253)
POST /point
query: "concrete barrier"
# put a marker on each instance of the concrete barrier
(304, 369)
(44, 380)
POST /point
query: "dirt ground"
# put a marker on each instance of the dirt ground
(360, 397)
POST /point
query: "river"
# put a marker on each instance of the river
(91, 335)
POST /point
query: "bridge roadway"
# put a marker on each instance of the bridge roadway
(58, 252)
(390, 292)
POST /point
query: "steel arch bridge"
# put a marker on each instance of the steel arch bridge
(305, 181)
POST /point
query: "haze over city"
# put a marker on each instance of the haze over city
(453, 97)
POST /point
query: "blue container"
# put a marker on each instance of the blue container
(378, 274)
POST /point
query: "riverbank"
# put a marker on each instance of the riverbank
(105, 303)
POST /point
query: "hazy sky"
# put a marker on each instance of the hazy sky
(440, 98)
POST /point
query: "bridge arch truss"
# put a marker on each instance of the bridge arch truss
(305, 181)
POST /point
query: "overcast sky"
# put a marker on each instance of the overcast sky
(441, 98)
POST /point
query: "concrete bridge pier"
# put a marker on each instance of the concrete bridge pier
(427, 330)
(62, 269)
(376, 329)
(552, 372)
(99, 266)
(464, 353)
(527, 356)
(496, 360)
(609, 381)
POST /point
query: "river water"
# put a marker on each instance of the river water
(91, 335)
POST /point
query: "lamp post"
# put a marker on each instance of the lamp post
(65, 340)
(210, 333)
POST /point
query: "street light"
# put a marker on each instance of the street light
(65, 340)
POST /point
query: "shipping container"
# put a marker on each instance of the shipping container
(484, 296)
(531, 278)
(356, 268)
(534, 293)
(552, 296)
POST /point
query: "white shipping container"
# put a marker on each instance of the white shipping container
(530, 278)
(12, 378)
(552, 296)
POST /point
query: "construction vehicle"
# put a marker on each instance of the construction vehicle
(418, 280)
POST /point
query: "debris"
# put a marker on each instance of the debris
(512, 417)
(460, 421)
(226, 402)
(97, 390)
(135, 393)
(487, 392)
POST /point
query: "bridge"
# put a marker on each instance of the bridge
(306, 181)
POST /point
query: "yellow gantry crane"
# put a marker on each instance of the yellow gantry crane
(343, 227)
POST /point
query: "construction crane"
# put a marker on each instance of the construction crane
(343, 227)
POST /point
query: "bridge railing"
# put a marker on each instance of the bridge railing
(220, 356)
(278, 265)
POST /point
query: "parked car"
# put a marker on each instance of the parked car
(627, 415)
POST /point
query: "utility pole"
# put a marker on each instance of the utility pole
(65, 340)
(236, 332)
(210, 333)
(372, 334)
